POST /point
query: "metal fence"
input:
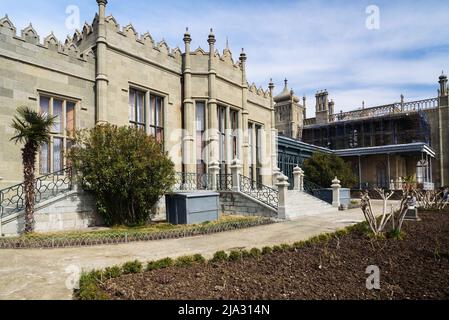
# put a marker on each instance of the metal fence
(260, 192)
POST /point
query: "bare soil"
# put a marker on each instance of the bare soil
(416, 267)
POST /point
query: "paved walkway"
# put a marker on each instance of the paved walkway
(46, 274)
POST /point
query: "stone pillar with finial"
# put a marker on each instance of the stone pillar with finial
(245, 117)
(189, 154)
(212, 106)
(274, 137)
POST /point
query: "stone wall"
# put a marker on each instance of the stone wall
(232, 203)
(71, 211)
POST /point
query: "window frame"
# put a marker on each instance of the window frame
(63, 135)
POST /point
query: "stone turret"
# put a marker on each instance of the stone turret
(289, 113)
(322, 107)
(443, 91)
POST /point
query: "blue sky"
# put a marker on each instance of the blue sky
(315, 44)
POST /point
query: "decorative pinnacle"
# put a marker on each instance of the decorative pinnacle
(243, 55)
(102, 2)
(187, 38)
(211, 39)
(271, 85)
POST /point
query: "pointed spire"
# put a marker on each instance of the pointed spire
(227, 42)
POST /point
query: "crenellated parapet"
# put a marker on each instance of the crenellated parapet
(258, 91)
(50, 42)
(145, 40)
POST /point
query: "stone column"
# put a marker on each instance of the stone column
(282, 186)
(189, 154)
(236, 171)
(274, 137)
(101, 79)
(336, 192)
(244, 117)
(213, 115)
(228, 138)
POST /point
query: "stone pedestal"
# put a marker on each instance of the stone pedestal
(412, 214)
(214, 169)
(336, 192)
(298, 177)
(236, 171)
(282, 186)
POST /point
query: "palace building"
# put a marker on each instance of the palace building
(197, 102)
(385, 145)
(220, 131)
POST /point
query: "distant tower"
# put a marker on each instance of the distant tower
(289, 113)
(443, 92)
(322, 107)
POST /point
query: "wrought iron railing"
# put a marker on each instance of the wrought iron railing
(312, 188)
(259, 191)
(12, 199)
(185, 181)
(224, 182)
(394, 108)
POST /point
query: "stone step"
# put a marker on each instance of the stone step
(302, 204)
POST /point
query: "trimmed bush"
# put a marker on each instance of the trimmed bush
(285, 246)
(235, 255)
(185, 261)
(132, 267)
(198, 258)
(88, 284)
(267, 250)
(112, 272)
(160, 264)
(255, 252)
(220, 256)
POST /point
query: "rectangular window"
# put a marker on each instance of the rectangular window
(234, 128)
(258, 161)
(44, 159)
(58, 154)
(137, 108)
(52, 155)
(200, 141)
(222, 138)
(70, 118)
(157, 118)
(57, 112)
(250, 146)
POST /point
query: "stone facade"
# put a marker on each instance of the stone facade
(384, 144)
(101, 67)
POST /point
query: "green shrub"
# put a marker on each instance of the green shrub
(342, 232)
(160, 264)
(277, 249)
(184, 261)
(198, 258)
(132, 267)
(245, 254)
(322, 168)
(88, 286)
(299, 245)
(235, 255)
(267, 250)
(285, 246)
(220, 256)
(255, 252)
(112, 272)
(125, 169)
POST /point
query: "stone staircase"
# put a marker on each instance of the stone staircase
(300, 203)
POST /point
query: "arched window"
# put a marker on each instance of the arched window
(421, 171)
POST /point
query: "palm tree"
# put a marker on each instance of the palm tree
(32, 129)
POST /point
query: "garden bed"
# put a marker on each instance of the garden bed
(119, 235)
(326, 267)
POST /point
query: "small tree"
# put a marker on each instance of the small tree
(125, 169)
(322, 168)
(32, 129)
